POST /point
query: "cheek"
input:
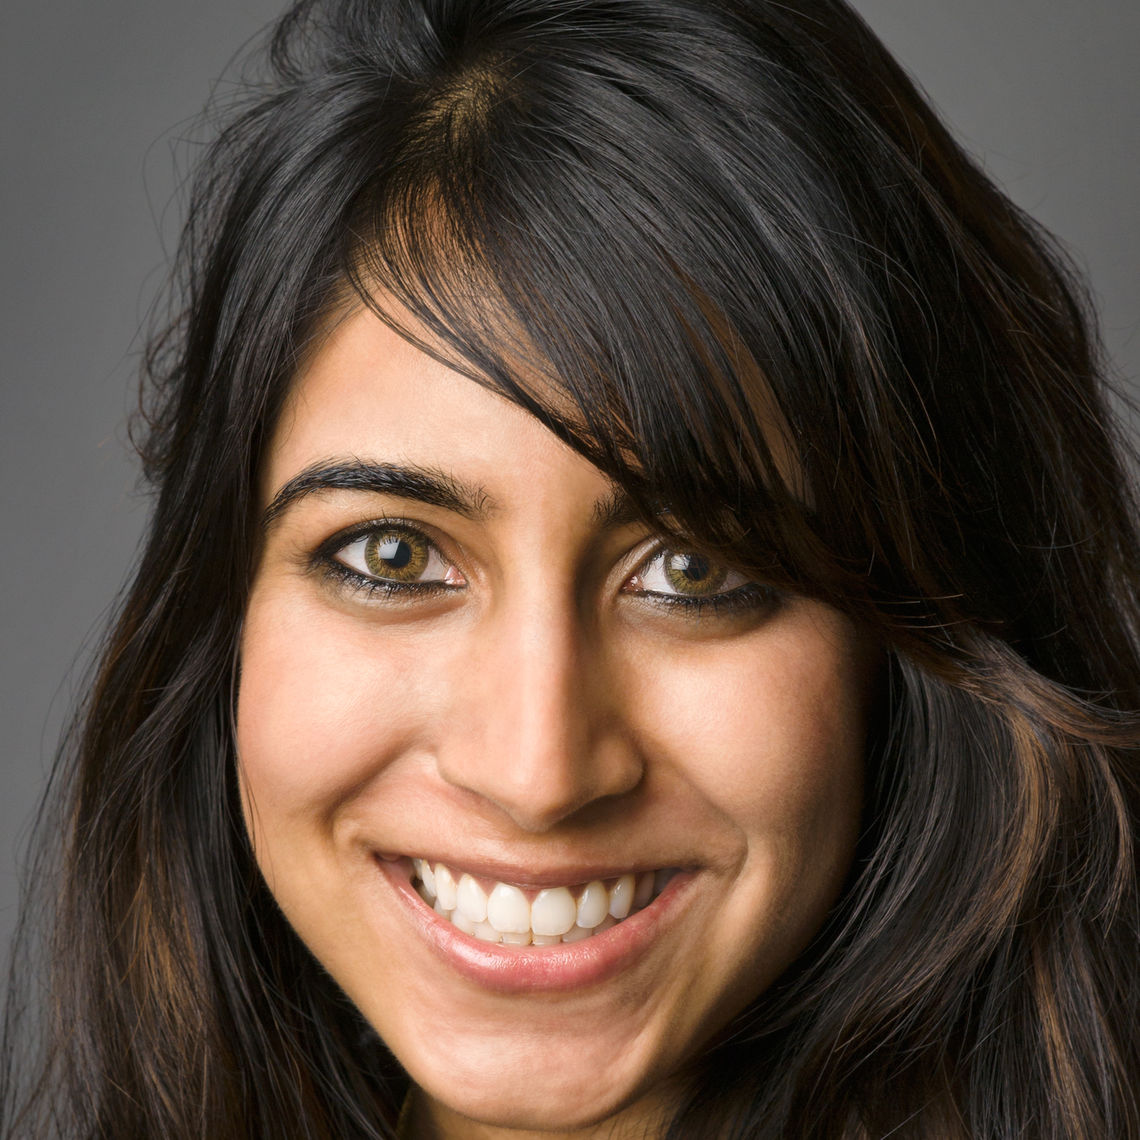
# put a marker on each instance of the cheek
(323, 706)
(771, 729)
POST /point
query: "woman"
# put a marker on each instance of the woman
(638, 635)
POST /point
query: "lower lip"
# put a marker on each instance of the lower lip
(527, 969)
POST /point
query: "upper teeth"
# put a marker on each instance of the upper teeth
(506, 914)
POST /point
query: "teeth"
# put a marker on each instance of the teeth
(553, 911)
(641, 895)
(621, 897)
(485, 932)
(459, 919)
(446, 892)
(508, 911)
(594, 903)
(470, 900)
(555, 915)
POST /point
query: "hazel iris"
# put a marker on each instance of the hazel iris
(693, 574)
(399, 556)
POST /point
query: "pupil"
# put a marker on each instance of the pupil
(696, 568)
(396, 552)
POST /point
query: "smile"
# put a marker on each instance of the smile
(499, 912)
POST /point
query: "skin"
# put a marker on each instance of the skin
(546, 710)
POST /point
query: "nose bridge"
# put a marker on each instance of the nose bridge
(538, 741)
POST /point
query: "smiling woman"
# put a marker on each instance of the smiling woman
(474, 717)
(638, 636)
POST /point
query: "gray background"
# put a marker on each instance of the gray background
(99, 96)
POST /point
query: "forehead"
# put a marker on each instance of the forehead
(365, 393)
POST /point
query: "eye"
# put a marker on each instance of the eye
(694, 582)
(686, 574)
(393, 557)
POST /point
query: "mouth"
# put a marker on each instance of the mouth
(555, 933)
(500, 912)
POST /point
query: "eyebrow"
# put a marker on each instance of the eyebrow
(408, 481)
(425, 485)
(615, 510)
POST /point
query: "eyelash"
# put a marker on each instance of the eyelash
(749, 596)
(338, 572)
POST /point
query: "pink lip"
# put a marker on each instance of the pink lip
(522, 969)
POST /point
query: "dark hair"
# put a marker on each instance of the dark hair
(730, 231)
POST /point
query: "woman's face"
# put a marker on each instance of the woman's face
(462, 648)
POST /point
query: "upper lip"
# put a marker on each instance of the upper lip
(530, 875)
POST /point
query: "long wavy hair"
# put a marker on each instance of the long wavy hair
(724, 233)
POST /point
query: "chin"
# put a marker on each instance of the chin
(526, 1084)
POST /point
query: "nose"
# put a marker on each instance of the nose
(536, 728)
